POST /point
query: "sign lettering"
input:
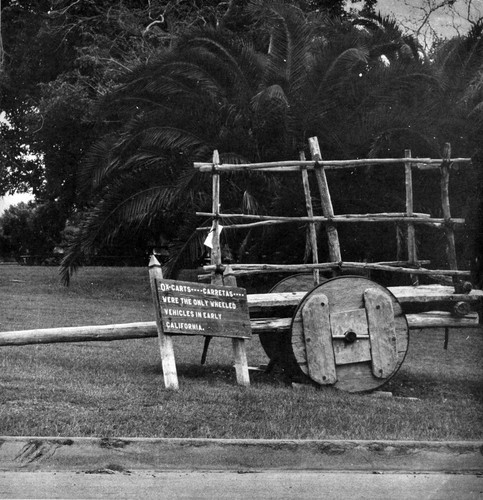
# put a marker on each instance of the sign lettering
(198, 309)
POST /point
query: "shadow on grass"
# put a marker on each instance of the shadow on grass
(218, 373)
(426, 385)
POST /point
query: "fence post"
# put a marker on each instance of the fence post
(448, 227)
(168, 361)
(310, 213)
(412, 252)
(332, 234)
(239, 347)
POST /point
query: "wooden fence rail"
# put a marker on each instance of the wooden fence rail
(296, 165)
(245, 269)
(105, 333)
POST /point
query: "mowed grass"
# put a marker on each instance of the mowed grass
(110, 389)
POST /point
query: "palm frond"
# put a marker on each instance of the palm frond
(344, 65)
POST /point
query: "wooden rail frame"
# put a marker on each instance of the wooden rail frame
(409, 218)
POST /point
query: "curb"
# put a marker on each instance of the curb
(121, 454)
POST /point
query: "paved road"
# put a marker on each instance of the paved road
(247, 486)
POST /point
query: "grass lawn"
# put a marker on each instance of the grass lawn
(116, 388)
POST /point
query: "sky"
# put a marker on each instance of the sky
(13, 199)
(446, 23)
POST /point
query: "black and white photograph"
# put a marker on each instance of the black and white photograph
(241, 249)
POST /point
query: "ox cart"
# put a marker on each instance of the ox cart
(345, 330)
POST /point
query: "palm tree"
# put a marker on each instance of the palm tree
(169, 113)
(460, 62)
(316, 76)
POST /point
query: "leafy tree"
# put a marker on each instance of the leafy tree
(30, 229)
(58, 57)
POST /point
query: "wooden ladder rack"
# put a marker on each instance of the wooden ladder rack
(410, 218)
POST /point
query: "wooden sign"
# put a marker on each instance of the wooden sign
(197, 309)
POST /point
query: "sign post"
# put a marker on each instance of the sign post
(187, 308)
(165, 341)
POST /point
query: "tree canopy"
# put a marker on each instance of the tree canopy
(109, 103)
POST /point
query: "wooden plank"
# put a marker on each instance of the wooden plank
(239, 347)
(168, 361)
(355, 352)
(354, 320)
(432, 293)
(382, 333)
(191, 308)
(318, 340)
(433, 319)
(241, 363)
(404, 294)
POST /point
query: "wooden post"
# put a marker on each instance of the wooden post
(239, 348)
(216, 276)
(215, 255)
(310, 213)
(168, 361)
(332, 234)
(228, 280)
(448, 229)
(412, 253)
(228, 276)
(241, 362)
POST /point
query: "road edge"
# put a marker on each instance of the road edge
(120, 454)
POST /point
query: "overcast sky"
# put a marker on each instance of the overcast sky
(410, 13)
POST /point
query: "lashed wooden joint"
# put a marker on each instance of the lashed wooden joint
(219, 269)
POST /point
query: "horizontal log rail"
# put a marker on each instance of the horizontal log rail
(395, 263)
(406, 295)
(246, 269)
(100, 333)
(107, 333)
(296, 165)
(383, 215)
(267, 220)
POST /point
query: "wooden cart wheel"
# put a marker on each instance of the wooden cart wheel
(349, 333)
(272, 342)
